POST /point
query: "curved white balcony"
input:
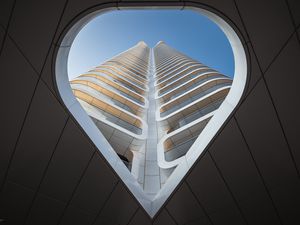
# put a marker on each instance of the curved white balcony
(111, 112)
(128, 65)
(133, 62)
(123, 69)
(193, 94)
(131, 138)
(170, 64)
(110, 71)
(139, 99)
(176, 68)
(164, 160)
(163, 63)
(198, 106)
(177, 72)
(162, 57)
(183, 80)
(110, 93)
(120, 80)
(185, 87)
(110, 88)
(116, 69)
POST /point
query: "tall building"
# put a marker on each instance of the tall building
(49, 174)
(151, 105)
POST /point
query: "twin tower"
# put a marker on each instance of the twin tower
(151, 104)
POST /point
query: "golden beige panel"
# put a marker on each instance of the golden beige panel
(117, 86)
(107, 108)
(135, 108)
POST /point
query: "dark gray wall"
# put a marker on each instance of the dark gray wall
(51, 173)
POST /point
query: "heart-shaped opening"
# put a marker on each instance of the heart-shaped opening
(151, 112)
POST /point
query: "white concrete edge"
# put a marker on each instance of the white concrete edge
(91, 112)
(181, 77)
(195, 88)
(175, 58)
(200, 144)
(159, 118)
(128, 72)
(110, 70)
(85, 89)
(98, 83)
(117, 75)
(111, 79)
(169, 63)
(193, 64)
(162, 162)
(206, 72)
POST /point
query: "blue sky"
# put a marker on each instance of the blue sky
(187, 31)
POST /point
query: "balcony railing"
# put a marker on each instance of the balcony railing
(195, 84)
(182, 80)
(192, 99)
(197, 114)
(179, 150)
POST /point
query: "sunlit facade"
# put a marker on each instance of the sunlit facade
(151, 104)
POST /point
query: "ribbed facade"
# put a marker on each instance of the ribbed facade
(151, 105)
(188, 93)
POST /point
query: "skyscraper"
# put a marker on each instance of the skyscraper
(151, 105)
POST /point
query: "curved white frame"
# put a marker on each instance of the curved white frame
(227, 107)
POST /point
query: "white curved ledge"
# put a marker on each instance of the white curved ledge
(187, 62)
(205, 71)
(162, 162)
(193, 89)
(160, 118)
(107, 87)
(171, 69)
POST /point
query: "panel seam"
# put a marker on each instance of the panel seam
(258, 170)
(45, 171)
(228, 189)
